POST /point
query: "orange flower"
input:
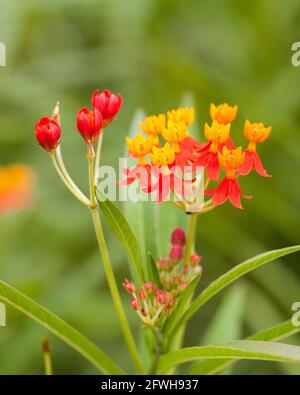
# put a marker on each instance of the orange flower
(16, 185)
(186, 115)
(175, 133)
(140, 146)
(218, 135)
(229, 188)
(223, 113)
(153, 125)
(231, 160)
(255, 133)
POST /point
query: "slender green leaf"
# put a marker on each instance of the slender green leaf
(226, 323)
(59, 327)
(274, 333)
(181, 306)
(243, 349)
(232, 275)
(122, 231)
(153, 272)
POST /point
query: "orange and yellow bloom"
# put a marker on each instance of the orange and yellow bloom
(154, 125)
(140, 146)
(217, 135)
(254, 133)
(182, 150)
(230, 160)
(223, 113)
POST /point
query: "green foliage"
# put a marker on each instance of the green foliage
(243, 349)
(60, 328)
(274, 333)
(229, 277)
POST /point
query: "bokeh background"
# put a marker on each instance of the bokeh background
(154, 52)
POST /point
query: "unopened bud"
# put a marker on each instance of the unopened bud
(142, 294)
(176, 253)
(178, 237)
(129, 286)
(134, 304)
(195, 259)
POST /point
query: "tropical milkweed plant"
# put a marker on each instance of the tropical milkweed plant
(162, 290)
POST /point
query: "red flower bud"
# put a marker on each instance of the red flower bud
(195, 259)
(162, 297)
(142, 294)
(149, 286)
(89, 124)
(134, 304)
(178, 237)
(162, 263)
(185, 269)
(176, 253)
(144, 311)
(47, 133)
(107, 104)
(129, 286)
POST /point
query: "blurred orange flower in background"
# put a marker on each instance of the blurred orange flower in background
(16, 187)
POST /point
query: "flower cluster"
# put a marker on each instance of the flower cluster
(165, 146)
(168, 144)
(154, 304)
(90, 123)
(220, 152)
(174, 274)
(151, 304)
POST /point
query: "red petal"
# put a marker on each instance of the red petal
(235, 193)
(229, 144)
(248, 165)
(258, 166)
(212, 167)
(221, 192)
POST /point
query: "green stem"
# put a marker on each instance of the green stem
(108, 266)
(74, 192)
(114, 291)
(97, 159)
(48, 364)
(159, 344)
(177, 341)
(190, 237)
(91, 158)
(67, 176)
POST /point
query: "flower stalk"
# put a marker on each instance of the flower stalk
(190, 237)
(94, 210)
(45, 348)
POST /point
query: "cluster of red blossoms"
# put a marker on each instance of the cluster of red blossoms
(153, 304)
(174, 274)
(168, 145)
(90, 123)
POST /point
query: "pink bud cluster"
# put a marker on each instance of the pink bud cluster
(174, 275)
(152, 304)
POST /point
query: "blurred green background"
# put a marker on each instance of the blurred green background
(152, 52)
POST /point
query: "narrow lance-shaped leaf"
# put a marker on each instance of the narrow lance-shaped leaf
(123, 232)
(59, 327)
(243, 349)
(181, 306)
(229, 277)
(277, 332)
(153, 272)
